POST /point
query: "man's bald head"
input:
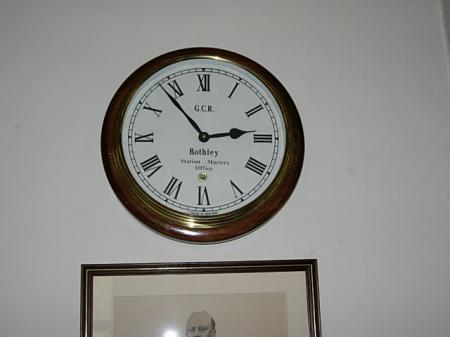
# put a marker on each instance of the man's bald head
(200, 324)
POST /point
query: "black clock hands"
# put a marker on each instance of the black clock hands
(233, 133)
(191, 121)
(204, 136)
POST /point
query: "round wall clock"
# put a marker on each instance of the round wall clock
(202, 145)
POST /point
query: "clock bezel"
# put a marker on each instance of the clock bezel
(191, 228)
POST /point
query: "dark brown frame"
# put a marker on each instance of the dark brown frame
(198, 229)
(309, 267)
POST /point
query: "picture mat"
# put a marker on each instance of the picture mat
(292, 284)
(259, 315)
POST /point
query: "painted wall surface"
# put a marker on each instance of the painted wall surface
(446, 16)
(373, 202)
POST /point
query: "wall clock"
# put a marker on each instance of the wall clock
(202, 145)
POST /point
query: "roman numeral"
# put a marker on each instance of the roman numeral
(156, 111)
(177, 92)
(203, 196)
(235, 189)
(151, 165)
(234, 88)
(204, 82)
(262, 138)
(251, 112)
(174, 185)
(147, 138)
(255, 166)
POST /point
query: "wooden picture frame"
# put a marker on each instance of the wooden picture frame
(248, 298)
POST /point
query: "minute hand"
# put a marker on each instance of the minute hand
(174, 101)
(233, 133)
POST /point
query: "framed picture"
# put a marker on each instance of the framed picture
(207, 299)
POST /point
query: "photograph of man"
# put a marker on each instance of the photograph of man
(200, 324)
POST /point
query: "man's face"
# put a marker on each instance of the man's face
(200, 325)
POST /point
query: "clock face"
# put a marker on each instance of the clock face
(203, 137)
(202, 144)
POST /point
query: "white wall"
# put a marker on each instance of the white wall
(373, 201)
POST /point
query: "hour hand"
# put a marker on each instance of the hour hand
(233, 133)
(175, 102)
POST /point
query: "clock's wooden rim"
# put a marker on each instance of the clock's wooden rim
(176, 225)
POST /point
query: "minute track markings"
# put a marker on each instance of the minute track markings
(180, 202)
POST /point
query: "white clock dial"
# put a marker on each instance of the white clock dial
(203, 137)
